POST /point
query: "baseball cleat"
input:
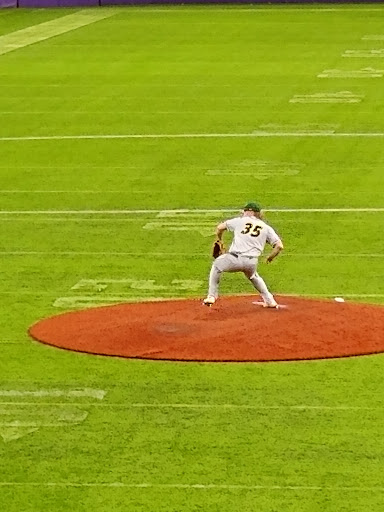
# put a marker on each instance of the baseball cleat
(271, 304)
(209, 301)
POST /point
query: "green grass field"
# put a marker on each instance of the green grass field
(226, 106)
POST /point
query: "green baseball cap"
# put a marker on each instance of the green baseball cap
(254, 207)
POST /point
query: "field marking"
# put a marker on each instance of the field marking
(186, 211)
(364, 53)
(72, 191)
(63, 219)
(231, 487)
(99, 394)
(74, 302)
(323, 97)
(39, 418)
(46, 30)
(138, 284)
(358, 73)
(183, 254)
(373, 37)
(299, 127)
(127, 86)
(75, 166)
(276, 192)
(240, 9)
(204, 228)
(254, 134)
(138, 405)
(16, 422)
(259, 169)
(127, 292)
(137, 112)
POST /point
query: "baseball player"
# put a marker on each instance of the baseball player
(250, 235)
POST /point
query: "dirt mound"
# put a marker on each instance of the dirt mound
(234, 329)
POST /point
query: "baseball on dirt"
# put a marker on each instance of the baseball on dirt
(339, 299)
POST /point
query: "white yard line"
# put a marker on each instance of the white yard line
(39, 393)
(256, 134)
(275, 192)
(239, 9)
(119, 111)
(186, 211)
(82, 166)
(66, 219)
(206, 407)
(83, 191)
(43, 31)
(222, 487)
(182, 254)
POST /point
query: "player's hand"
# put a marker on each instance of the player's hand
(269, 259)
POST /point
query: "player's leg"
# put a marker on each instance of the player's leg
(259, 283)
(224, 263)
(214, 282)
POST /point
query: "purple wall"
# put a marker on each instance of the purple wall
(8, 3)
(143, 2)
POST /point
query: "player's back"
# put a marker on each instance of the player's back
(250, 235)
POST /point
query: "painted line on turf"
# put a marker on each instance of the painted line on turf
(230, 487)
(79, 192)
(272, 10)
(99, 394)
(255, 134)
(16, 421)
(341, 408)
(187, 211)
(46, 30)
(275, 192)
(120, 111)
(182, 254)
(80, 167)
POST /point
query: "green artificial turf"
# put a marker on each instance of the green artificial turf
(176, 437)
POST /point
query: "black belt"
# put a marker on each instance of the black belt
(243, 255)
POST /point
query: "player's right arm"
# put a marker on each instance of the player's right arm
(277, 245)
(277, 248)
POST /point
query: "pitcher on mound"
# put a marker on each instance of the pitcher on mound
(250, 235)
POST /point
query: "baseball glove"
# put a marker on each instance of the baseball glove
(217, 248)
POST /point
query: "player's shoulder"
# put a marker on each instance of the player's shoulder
(233, 220)
(261, 223)
(269, 231)
(266, 225)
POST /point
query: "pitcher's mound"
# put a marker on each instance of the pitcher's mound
(234, 329)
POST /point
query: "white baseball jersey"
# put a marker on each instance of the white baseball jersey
(250, 235)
